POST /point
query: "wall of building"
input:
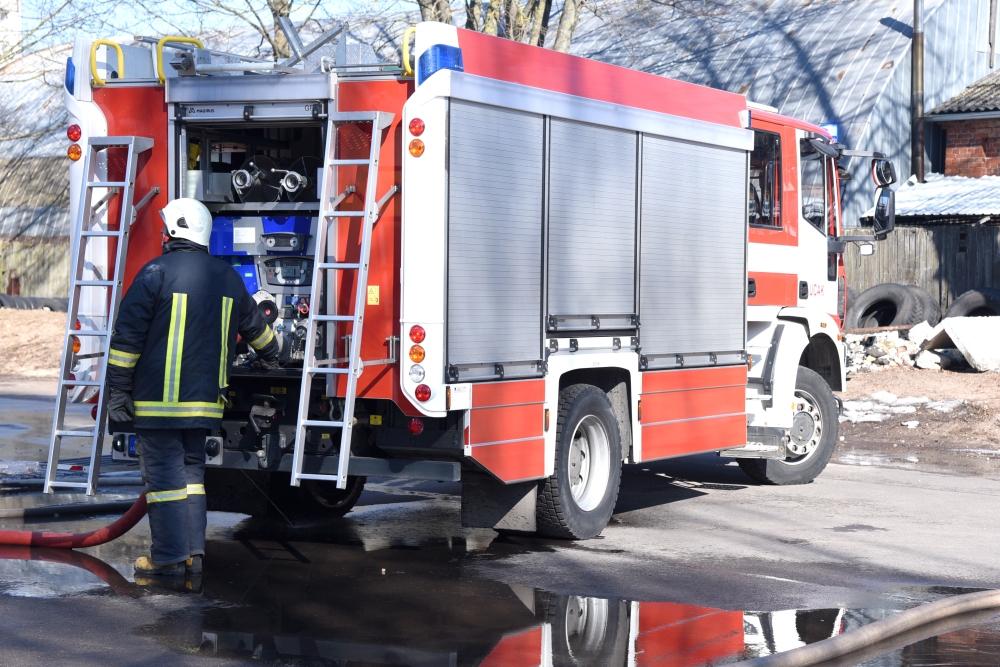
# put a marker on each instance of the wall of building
(947, 260)
(972, 148)
(35, 266)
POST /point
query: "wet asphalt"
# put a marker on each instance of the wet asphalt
(700, 566)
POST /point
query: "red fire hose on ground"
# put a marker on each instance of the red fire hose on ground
(41, 538)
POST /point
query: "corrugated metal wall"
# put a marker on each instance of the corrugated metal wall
(946, 260)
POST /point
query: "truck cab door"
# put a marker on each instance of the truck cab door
(819, 216)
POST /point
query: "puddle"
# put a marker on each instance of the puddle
(328, 594)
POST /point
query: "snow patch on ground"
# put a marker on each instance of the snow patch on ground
(883, 404)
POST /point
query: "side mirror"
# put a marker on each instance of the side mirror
(885, 212)
(866, 249)
(883, 172)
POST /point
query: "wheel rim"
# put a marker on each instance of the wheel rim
(807, 429)
(586, 627)
(589, 463)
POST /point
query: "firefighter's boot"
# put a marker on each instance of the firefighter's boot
(144, 567)
(192, 565)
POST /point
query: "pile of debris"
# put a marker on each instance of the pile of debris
(956, 341)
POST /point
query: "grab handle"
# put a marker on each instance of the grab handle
(159, 52)
(98, 81)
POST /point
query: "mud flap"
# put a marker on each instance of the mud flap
(486, 503)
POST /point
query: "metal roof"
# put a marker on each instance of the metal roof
(948, 197)
(820, 61)
(983, 95)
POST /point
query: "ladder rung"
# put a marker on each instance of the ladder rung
(329, 478)
(333, 318)
(71, 485)
(94, 283)
(321, 423)
(340, 265)
(106, 184)
(75, 434)
(321, 370)
(345, 214)
(359, 162)
(82, 383)
(89, 333)
(100, 233)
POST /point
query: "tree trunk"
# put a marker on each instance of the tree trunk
(435, 10)
(473, 14)
(279, 42)
(492, 18)
(567, 25)
(540, 22)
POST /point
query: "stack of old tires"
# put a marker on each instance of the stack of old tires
(33, 303)
(892, 304)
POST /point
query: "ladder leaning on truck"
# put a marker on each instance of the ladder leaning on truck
(498, 264)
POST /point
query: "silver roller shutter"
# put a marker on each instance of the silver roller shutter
(591, 271)
(692, 285)
(494, 239)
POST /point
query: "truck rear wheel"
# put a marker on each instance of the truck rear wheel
(577, 501)
(814, 436)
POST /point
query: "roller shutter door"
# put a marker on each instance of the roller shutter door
(592, 178)
(692, 286)
(494, 236)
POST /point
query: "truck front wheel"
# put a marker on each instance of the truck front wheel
(577, 501)
(814, 436)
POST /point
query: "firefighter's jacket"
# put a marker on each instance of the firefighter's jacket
(175, 338)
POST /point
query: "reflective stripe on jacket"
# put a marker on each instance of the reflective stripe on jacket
(175, 338)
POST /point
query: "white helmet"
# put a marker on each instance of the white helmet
(188, 219)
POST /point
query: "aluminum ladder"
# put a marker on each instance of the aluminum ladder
(89, 229)
(311, 367)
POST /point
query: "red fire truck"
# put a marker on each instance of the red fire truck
(496, 264)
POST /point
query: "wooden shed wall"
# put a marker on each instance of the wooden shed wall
(946, 260)
(42, 265)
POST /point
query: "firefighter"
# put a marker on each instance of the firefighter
(171, 349)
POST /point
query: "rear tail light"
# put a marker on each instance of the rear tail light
(416, 127)
(416, 426)
(77, 327)
(417, 354)
(417, 333)
(423, 393)
(74, 152)
(416, 148)
(74, 132)
(93, 412)
(76, 345)
(72, 376)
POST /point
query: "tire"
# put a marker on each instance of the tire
(984, 302)
(809, 451)
(884, 305)
(586, 632)
(312, 500)
(931, 308)
(588, 444)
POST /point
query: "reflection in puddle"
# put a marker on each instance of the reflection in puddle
(309, 598)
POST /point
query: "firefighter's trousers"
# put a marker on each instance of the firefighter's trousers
(173, 467)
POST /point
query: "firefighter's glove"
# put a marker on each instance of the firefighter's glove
(120, 407)
(265, 364)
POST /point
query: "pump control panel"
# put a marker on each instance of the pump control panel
(287, 272)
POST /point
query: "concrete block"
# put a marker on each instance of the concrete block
(977, 338)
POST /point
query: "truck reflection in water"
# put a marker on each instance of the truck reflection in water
(302, 601)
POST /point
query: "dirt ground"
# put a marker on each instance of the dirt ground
(965, 440)
(31, 342)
